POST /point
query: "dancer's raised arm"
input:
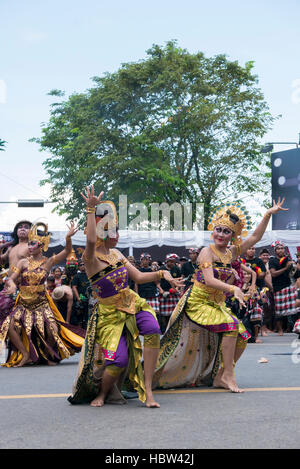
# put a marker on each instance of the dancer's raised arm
(260, 230)
(91, 236)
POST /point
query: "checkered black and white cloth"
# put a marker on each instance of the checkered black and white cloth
(285, 301)
(154, 303)
(168, 303)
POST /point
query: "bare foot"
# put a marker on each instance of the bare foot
(258, 341)
(217, 379)
(50, 363)
(98, 401)
(280, 333)
(150, 401)
(26, 360)
(228, 382)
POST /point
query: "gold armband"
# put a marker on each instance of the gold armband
(90, 209)
(205, 265)
(232, 289)
(15, 269)
(160, 274)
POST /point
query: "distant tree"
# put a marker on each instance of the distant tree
(173, 127)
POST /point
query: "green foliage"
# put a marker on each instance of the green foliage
(2, 144)
(172, 127)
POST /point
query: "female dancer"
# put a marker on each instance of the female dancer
(112, 343)
(35, 327)
(189, 349)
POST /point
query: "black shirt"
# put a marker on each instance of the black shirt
(187, 271)
(283, 280)
(175, 272)
(147, 290)
(257, 262)
(81, 281)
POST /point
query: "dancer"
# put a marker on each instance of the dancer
(36, 329)
(120, 316)
(190, 348)
(16, 250)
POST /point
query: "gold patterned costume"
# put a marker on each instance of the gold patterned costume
(112, 340)
(43, 331)
(190, 349)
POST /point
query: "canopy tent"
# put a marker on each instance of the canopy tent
(144, 239)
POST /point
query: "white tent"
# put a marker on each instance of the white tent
(143, 239)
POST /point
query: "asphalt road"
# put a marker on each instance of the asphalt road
(35, 413)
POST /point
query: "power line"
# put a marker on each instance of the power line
(21, 185)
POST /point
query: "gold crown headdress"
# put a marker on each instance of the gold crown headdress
(43, 238)
(72, 258)
(106, 219)
(225, 215)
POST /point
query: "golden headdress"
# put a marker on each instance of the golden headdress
(235, 217)
(41, 235)
(106, 219)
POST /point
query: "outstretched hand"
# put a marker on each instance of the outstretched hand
(277, 207)
(91, 199)
(72, 229)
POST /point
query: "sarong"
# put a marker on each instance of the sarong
(285, 302)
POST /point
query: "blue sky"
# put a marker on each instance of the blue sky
(63, 44)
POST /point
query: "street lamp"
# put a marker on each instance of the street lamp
(27, 202)
(270, 145)
(31, 203)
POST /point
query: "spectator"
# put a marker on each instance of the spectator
(57, 274)
(80, 287)
(131, 283)
(257, 265)
(284, 292)
(182, 261)
(63, 298)
(268, 306)
(189, 267)
(149, 291)
(71, 269)
(50, 284)
(252, 313)
(169, 296)
(154, 266)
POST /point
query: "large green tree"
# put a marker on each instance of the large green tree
(173, 127)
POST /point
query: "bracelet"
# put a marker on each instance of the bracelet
(267, 215)
(160, 274)
(232, 289)
(90, 209)
(205, 265)
(15, 269)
